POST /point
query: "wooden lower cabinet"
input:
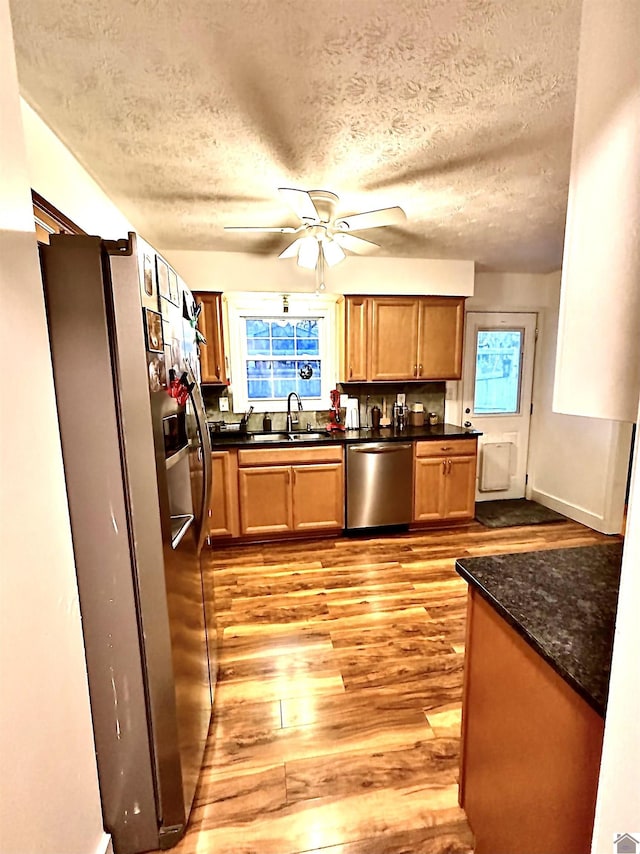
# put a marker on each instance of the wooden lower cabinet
(265, 499)
(531, 745)
(318, 496)
(444, 480)
(224, 516)
(286, 490)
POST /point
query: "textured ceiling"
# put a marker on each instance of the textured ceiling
(191, 115)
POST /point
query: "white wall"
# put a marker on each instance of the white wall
(577, 466)
(239, 271)
(598, 370)
(50, 801)
(56, 174)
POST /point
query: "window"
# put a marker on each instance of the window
(498, 370)
(283, 356)
(275, 352)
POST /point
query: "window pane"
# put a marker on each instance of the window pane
(257, 328)
(307, 329)
(307, 347)
(258, 346)
(258, 368)
(281, 388)
(284, 368)
(281, 329)
(497, 382)
(283, 346)
(258, 389)
(309, 388)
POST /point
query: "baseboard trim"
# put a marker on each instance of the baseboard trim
(578, 514)
(105, 845)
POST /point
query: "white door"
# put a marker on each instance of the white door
(497, 378)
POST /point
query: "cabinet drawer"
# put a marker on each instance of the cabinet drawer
(444, 448)
(290, 456)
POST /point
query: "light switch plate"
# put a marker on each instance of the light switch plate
(401, 399)
(223, 404)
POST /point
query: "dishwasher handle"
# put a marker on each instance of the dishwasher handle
(387, 448)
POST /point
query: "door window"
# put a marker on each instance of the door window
(498, 369)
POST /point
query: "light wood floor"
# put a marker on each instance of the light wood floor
(337, 718)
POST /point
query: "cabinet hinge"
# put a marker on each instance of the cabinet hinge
(536, 335)
(526, 478)
(531, 409)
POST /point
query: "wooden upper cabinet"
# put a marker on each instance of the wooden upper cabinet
(355, 368)
(403, 338)
(440, 338)
(212, 356)
(393, 334)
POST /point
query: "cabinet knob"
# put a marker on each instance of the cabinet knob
(444, 467)
(468, 424)
(350, 371)
(419, 370)
(415, 370)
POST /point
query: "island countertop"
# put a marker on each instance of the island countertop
(563, 603)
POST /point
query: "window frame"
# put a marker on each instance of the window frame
(271, 306)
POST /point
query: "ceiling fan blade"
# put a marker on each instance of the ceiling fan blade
(285, 230)
(292, 249)
(300, 203)
(332, 252)
(355, 244)
(372, 219)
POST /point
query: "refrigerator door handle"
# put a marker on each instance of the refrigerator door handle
(204, 453)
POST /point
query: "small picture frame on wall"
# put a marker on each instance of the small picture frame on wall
(148, 276)
(162, 269)
(173, 286)
(153, 331)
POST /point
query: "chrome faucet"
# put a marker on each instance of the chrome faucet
(291, 419)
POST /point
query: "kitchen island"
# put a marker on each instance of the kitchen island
(538, 652)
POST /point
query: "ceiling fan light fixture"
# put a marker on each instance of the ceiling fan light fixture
(308, 253)
(332, 252)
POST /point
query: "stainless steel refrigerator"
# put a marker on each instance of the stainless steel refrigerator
(138, 472)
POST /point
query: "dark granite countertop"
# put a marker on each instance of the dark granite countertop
(563, 603)
(234, 439)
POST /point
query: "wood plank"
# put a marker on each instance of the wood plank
(338, 711)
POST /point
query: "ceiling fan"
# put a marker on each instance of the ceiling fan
(323, 235)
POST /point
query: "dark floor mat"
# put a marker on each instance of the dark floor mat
(515, 511)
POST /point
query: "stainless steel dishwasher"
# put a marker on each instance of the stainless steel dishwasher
(379, 484)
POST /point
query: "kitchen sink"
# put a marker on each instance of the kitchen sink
(298, 436)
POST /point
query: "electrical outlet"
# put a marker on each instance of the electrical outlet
(401, 399)
(223, 404)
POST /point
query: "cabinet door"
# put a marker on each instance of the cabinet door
(460, 488)
(393, 332)
(440, 345)
(355, 367)
(212, 361)
(265, 499)
(428, 488)
(224, 512)
(318, 497)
